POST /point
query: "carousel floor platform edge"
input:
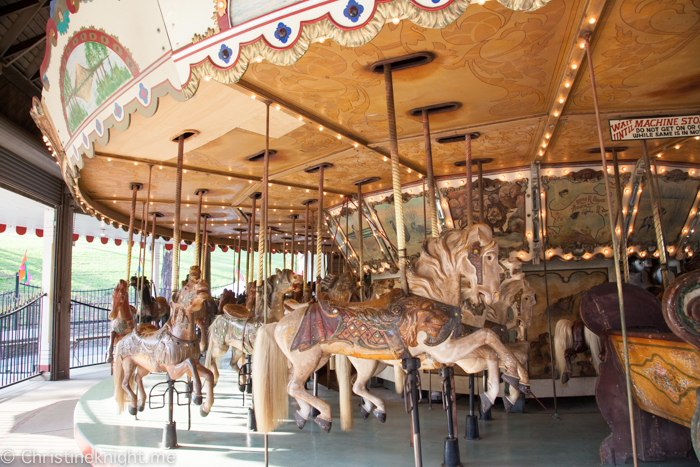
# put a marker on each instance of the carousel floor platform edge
(524, 440)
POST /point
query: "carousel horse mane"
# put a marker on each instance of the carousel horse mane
(437, 271)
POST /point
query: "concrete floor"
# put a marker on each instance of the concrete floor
(38, 415)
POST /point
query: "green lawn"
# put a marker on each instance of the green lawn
(98, 266)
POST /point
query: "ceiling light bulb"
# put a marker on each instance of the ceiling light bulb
(574, 66)
(395, 20)
(591, 21)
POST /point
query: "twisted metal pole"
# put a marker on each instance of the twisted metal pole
(430, 177)
(262, 236)
(396, 175)
(616, 251)
(656, 211)
(319, 229)
(480, 176)
(238, 266)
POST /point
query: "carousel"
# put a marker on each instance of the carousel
(545, 155)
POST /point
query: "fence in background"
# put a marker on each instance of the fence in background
(20, 338)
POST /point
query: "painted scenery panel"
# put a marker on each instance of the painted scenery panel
(91, 74)
(504, 206)
(384, 211)
(678, 191)
(577, 209)
(566, 288)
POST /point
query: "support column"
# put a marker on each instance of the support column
(156, 267)
(294, 218)
(60, 336)
(621, 218)
(656, 211)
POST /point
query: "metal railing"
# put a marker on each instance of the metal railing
(20, 338)
(90, 328)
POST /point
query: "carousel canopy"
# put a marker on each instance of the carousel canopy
(123, 79)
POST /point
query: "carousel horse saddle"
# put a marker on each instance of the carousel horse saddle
(236, 311)
(323, 319)
(146, 330)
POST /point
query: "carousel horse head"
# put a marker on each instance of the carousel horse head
(455, 263)
(194, 294)
(524, 303)
(379, 288)
(227, 296)
(285, 281)
(341, 287)
(120, 298)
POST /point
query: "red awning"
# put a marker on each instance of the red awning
(89, 238)
(2, 228)
(224, 249)
(168, 246)
(39, 233)
(104, 240)
(183, 246)
(75, 237)
(21, 230)
(117, 241)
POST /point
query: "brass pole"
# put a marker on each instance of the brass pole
(306, 250)
(656, 211)
(616, 251)
(470, 202)
(396, 176)
(319, 229)
(251, 251)
(430, 178)
(130, 241)
(204, 248)
(238, 266)
(480, 174)
(361, 252)
(145, 218)
(142, 257)
(621, 219)
(153, 251)
(197, 236)
(294, 234)
(175, 282)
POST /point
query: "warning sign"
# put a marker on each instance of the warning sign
(630, 129)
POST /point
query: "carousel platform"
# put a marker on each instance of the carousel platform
(531, 439)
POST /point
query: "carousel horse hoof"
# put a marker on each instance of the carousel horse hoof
(132, 410)
(565, 378)
(301, 421)
(381, 416)
(141, 408)
(109, 359)
(364, 412)
(512, 380)
(241, 387)
(486, 404)
(197, 399)
(324, 424)
(203, 412)
(524, 388)
(507, 404)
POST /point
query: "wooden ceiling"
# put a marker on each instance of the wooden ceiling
(506, 68)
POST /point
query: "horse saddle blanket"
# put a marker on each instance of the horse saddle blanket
(158, 346)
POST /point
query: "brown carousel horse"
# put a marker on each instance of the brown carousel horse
(438, 273)
(236, 327)
(153, 310)
(394, 327)
(122, 316)
(387, 329)
(172, 349)
(571, 338)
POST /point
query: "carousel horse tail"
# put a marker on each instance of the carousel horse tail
(270, 376)
(119, 392)
(212, 342)
(343, 371)
(398, 378)
(593, 342)
(563, 339)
